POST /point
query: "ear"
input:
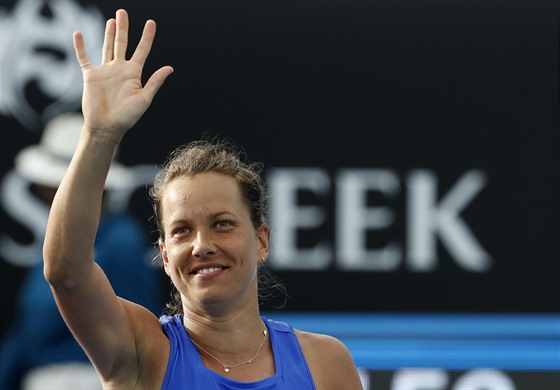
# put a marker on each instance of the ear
(263, 235)
(164, 258)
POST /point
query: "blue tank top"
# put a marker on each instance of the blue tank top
(185, 369)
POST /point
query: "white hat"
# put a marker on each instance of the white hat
(46, 163)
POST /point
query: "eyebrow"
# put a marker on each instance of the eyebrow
(211, 216)
(221, 213)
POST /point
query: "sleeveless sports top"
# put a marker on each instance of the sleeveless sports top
(185, 369)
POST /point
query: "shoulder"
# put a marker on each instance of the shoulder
(330, 362)
(171, 325)
(320, 345)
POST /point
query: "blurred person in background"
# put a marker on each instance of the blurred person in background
(39, 352)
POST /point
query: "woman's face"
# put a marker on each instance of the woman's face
(211, 249)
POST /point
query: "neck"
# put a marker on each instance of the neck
(229, 334)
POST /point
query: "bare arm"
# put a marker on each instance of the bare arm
(113, 101)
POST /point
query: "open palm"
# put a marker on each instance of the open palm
(114, 98)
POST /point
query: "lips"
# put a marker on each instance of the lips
(207, 269)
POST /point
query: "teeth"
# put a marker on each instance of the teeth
(207, 270)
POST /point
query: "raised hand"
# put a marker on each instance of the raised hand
(114, 98)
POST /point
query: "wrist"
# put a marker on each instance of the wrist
(101, 145)
(104, 138)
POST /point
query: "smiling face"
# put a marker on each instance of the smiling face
(211, 248)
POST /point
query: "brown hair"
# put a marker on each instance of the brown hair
(225, 158)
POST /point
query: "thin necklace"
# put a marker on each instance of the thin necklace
(228, 367)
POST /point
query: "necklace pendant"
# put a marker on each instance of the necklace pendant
(226, 369)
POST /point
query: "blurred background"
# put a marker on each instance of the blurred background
(411, 150)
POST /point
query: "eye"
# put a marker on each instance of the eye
(180, 230)
(224, 225)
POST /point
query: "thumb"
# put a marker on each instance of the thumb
(155, 82)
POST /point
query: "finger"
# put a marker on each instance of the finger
(155, 82)
(121, 35)
(145, 44)
(80, 50)
(109, 42)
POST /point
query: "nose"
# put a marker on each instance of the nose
(202, 245)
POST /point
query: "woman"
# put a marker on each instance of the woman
(212, 239)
